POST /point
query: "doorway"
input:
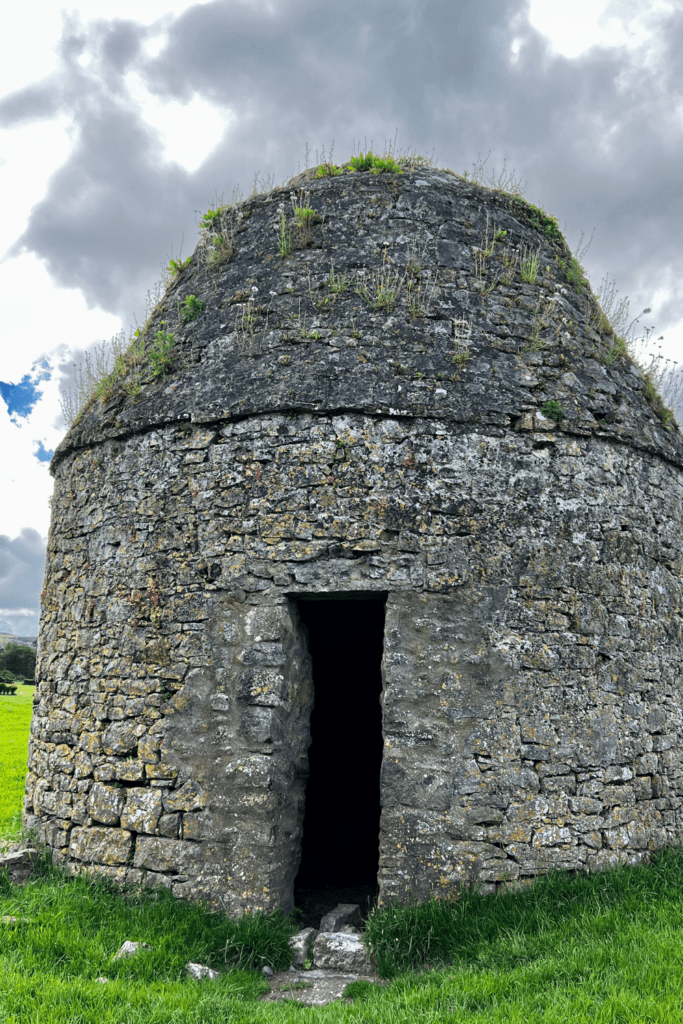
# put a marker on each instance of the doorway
(340, 847)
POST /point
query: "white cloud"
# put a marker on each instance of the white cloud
(39, 318)
(28, 157)
(574, 28)
(38, 23)
(188, 131)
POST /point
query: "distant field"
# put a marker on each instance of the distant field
(15, 719)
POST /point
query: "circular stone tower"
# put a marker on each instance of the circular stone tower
(395, 389)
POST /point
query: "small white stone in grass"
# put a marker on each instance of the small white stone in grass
(103, 981)
(131, 948)
(199, 971)
(268, 971)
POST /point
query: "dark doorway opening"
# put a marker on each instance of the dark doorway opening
(340, 848)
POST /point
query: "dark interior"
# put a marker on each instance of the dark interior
(340, 848)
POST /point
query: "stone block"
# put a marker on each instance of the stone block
(200, 972)
(165, 855)
(101, 845)
(189, 797)
(152, 879)
(267, 654)
(484, 814)
(79, 810)
(118, 875)
(337, 951)
(130, 771)
(122, 738)
(617, 773)
(300, 943)
(58, 804)
(148, 749)
(410, 788)
(82, 765)
(57, 833)
(169, 825)
(105, 803)
(142, 809)
(261, 725)
(19, 864)
(131, 949)
(585, 805)
(343, 914)
(160, 772)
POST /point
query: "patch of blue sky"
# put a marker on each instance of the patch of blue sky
(21, 398)
(41, 454)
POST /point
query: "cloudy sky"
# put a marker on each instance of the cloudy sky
(120, 119)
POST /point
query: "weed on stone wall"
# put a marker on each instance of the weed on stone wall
(482, 253)
(218, 231)
(504, 182)
(122, 365)
(162, 353)
(663, 382)
(122, 362)
(296, 231)
(175, 267)
(462, 334)
(624, 340)
(190, 308)
(381, 288)
(529, 264)
(553, 410)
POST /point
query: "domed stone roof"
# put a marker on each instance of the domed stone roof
(384, 294)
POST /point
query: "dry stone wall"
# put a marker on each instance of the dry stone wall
(532, 669)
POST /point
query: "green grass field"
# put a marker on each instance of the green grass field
(15, 718)
(604, 949)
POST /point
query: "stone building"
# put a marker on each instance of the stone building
(380, 475)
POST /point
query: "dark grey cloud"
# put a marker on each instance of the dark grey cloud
(598, 139)
(22, 564)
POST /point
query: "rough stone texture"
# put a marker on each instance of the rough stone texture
(200, 971)
(319, 987)
(142, 810)
(339, 951)
(105, 803)
(129, 948)
(343, 914)
(18, 864)
(300, 943)
(308, 441)
(101, 845)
